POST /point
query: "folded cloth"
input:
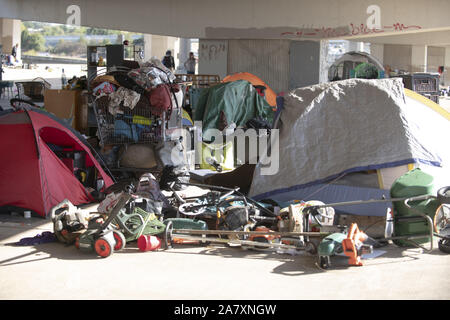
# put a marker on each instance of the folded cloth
(44, 237)
(129, 97)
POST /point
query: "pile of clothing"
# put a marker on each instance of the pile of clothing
(130, 102)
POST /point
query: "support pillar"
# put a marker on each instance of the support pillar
(10, 34)
(183, 54)
(446, 74)
(419, 56)
(147, 47)
(377, 51)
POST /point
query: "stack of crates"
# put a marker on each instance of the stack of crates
(426, 84)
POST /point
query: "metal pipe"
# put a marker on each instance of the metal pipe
(337, 204)
(250, 233)
(236, 241)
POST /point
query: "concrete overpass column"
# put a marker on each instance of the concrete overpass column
(377, 50)
(147, 47)
(10, 34)
(446, 74)
(355, 46)
(419, 55)
(323, 65)
(183, 54)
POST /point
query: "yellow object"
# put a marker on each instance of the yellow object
(141, 120)
(380, 179)
(429, 103)
(223, 154)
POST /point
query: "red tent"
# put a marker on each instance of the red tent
(39, 158)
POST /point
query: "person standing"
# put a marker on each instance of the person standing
(190, 63)
(14, 51)
(168, 61)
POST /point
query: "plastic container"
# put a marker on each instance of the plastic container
(148, 243)
(413, 183)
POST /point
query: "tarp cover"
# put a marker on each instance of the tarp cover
(330, 129)
(237, 101)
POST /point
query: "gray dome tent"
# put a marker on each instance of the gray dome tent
(340, 69)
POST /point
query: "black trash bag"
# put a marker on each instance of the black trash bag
(126, 81)
(258, 123)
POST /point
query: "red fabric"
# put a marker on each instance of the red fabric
(19, 168)
(58, 181)
(161, 99)
(39, 183)
(43, 125)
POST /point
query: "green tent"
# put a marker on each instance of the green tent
(230, 102)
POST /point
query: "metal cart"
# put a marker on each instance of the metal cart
(131, 126)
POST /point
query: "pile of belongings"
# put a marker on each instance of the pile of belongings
(226, 111)
(232, 104)
(76, 83)
(155, 207)
(128, 102)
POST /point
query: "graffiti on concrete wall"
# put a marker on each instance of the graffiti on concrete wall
(373, 25)
(212, 51)
(351, 30)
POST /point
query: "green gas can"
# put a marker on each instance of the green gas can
(414, 183)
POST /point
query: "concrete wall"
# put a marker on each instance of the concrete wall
(282, 64)
(377, 50)
(213, 57)
(435, 58)
(397, 56)
(263, 19)
(304, 61)
(266, 59)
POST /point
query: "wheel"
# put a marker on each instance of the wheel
(444, 245)
(441, 217)
(324, 262)
(443, 195)
(103, 248)
(168, 236)
(120, 240)
(188, 209)
(311, 248)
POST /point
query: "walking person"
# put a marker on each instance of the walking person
(190, 63)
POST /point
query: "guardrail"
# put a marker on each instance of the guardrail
(51, 60)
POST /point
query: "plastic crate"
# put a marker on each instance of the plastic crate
(422, 82)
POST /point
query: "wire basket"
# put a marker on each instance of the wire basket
(137, 125)
(123, 125)
(31, 89)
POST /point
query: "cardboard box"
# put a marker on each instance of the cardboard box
(68, 104)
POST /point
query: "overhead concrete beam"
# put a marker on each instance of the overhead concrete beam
(299, 19)
(431, 38)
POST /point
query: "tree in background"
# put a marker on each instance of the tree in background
(32, 41)
(366, 71)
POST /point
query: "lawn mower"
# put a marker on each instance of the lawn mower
(101, 237)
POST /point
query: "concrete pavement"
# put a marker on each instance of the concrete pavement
(55, 271)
